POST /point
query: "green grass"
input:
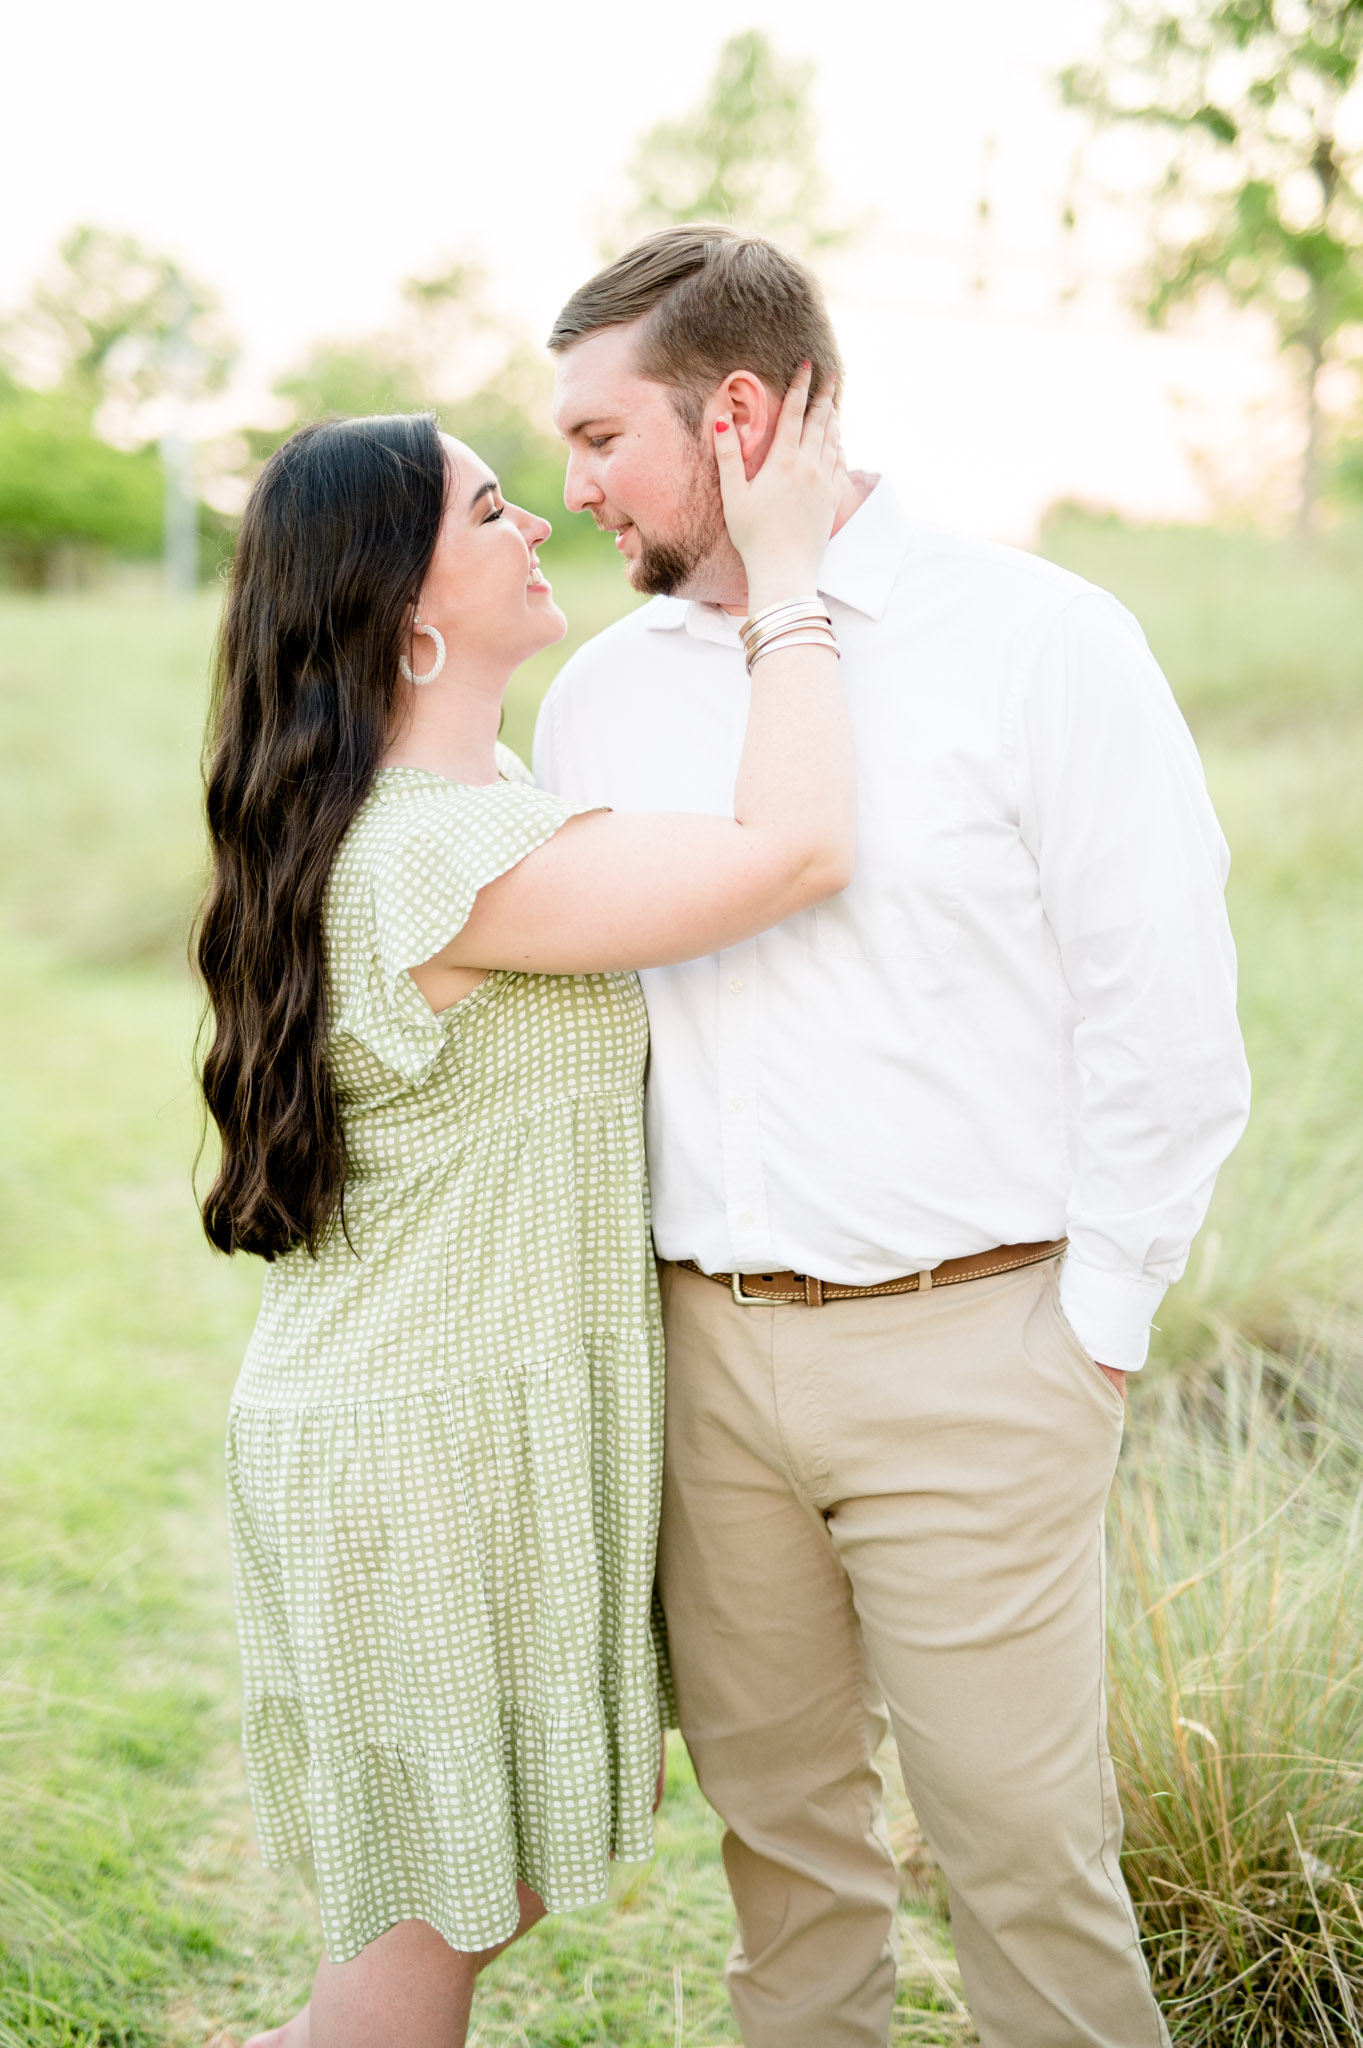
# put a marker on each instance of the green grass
(1237, 1704)
(101, 725)
(115, 1701)
(132, 1907)
(1255, 634)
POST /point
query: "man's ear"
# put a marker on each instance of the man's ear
(748, 403)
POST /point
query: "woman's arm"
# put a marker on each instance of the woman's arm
(614, 890)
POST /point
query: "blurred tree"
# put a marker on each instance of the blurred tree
(350, 379)
(67, 497)
(449, 333)
(1347, 472)
(406, 370)
(502, 421)
(748, 154)
(447, 354)
(112, 335)
(1261, 195)
(116, 324)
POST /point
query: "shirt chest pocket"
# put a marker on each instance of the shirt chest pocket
(904, 899)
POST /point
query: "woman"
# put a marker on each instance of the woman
(426, 1071)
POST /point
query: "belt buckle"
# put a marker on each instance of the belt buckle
(813, 1295)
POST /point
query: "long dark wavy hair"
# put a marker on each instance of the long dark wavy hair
(334, 546)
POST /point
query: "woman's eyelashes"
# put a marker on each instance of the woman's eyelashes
(495, 513)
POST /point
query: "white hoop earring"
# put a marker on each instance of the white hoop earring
(431, 673)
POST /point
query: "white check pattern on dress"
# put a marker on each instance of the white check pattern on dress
(444, 1448)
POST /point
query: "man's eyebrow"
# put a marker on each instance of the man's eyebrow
(484, 491)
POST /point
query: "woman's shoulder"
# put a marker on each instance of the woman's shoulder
(407, 808)
(421, 840)
(403, 886)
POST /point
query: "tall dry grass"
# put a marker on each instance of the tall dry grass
(1236, 1659)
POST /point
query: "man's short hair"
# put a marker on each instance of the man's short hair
(712, 301)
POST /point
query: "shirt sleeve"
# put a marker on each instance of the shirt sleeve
(546, 750)
(510, 764)
(1132, 865)
(568, 749)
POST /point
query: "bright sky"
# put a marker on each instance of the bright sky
(303, 158)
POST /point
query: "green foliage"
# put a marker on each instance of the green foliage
(410, 368)
(448, 355)
(61, 487)
(1258, 102)
(1236, 1612)
(353, 378)
(112, 327)
(344, 380)
(748, 154)
(1346, 475)
(116, 321)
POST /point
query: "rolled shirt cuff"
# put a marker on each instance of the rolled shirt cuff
(1110, 1313)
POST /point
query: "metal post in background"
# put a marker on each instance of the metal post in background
(177, 456)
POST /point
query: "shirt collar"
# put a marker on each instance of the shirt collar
(858, 568)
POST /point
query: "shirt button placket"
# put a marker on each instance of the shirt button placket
(745, 1195)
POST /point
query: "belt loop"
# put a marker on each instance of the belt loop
(925, 1279)
(813, 1291)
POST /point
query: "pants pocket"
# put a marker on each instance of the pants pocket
(1087, 1366)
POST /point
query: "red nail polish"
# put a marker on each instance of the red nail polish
(721, 426)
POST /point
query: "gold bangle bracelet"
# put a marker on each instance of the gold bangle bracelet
(777, 643)
(778, 631)
(784, 633)
(796, 610)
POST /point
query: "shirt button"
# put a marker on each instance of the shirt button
(737, 1102)
(735, 988)
(746, 1218)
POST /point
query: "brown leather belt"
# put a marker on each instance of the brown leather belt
(752, 1289)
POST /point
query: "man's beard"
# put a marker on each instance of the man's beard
(664, 568)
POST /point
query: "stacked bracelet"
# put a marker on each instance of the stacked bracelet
(804, 622)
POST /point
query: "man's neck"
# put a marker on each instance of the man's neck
(855, 491)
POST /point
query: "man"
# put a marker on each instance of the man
(893, 1413)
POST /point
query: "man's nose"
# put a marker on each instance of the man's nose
(579, 488)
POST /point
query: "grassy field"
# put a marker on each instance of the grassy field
(132, 1909)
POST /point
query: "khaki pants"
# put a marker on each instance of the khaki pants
(901, 1499)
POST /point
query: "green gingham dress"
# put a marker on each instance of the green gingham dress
(444, 1447)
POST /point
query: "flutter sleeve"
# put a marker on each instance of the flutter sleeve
(406, 888)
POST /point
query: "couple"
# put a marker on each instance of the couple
(927, 911)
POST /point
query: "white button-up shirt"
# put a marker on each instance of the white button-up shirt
(1018, 1022)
